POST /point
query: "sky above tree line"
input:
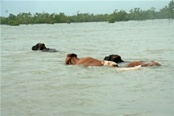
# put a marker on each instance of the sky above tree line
(71, 7)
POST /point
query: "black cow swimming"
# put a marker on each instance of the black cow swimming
(42, 47)
(114, 57)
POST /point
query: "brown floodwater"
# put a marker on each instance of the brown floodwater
(35, 83)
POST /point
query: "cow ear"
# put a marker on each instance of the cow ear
(43, 45)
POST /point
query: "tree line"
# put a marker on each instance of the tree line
(118, 15)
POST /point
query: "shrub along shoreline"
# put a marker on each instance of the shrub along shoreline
(45, 18)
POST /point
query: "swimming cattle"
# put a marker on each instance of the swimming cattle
(72, 59)
(42, 47)
(117, 59)
(143, 63)
(114, 57)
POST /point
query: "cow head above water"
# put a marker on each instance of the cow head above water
(71, 59)
(39, 46)
(114, 57)
(43, 48)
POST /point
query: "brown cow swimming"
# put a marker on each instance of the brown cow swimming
(72, 59)
(143, 63)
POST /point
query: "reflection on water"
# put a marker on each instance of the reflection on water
(39, 83)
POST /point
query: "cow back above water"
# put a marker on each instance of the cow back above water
(143, 63)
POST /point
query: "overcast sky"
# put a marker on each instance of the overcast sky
(71, 7)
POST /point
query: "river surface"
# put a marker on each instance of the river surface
(35, 83)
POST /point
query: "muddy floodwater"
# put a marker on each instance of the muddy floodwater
(35, 83)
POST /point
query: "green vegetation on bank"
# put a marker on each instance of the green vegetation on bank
(134, 14)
